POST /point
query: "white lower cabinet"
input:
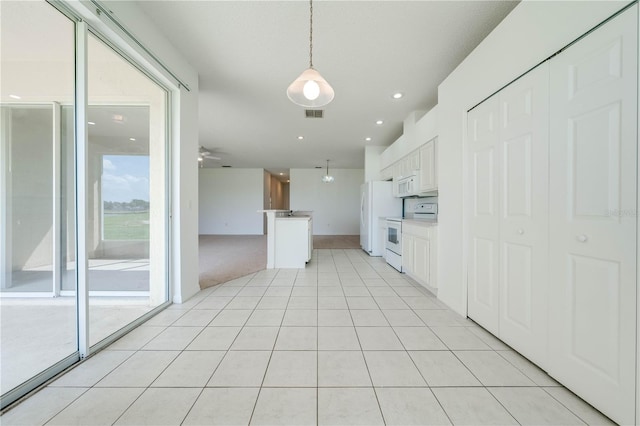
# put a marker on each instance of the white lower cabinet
(552, 257)
(419, 253)
(293, 245)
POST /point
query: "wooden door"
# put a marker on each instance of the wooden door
(524, 144)
(593, 172)
(484, 219)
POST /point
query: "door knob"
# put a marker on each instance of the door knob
(582, 238)
(520, 231)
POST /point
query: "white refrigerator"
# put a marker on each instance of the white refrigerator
(376, 201)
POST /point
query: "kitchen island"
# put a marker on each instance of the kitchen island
(289, 238)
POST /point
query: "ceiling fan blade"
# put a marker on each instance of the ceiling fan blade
(211, 157)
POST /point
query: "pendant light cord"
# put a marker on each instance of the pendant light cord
(310, 33)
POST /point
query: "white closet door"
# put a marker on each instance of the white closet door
(593, 143)
(484, 220)
(524, 266)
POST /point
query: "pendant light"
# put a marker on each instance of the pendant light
(327, 178)
(310, 89)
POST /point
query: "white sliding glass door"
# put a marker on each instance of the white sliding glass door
(75, 277)
(126, 192)
(38, 329)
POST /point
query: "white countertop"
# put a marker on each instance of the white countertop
(421, 222)
(293, 218)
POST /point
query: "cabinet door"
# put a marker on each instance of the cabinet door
(433, 257)
(407, 253)
(397, 169)
(310, 241)
(593, 152)
(524, 266)
(484, 219)
(406, 166)
(386, 173)
(428, 172)
(421, 259)
(415, 160)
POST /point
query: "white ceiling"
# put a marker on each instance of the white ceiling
(248, 52)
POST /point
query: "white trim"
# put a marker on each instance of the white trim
(638, 234)
(27, 294)
(464, 308)
(109, 30)
(56, 188)
(81, 158)
(6, 264)
(116, 26)
(107, 293)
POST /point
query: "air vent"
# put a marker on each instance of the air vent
(226, 166)
(314, 113)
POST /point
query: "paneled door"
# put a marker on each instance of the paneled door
(484, 220)
(524, 151)
(593, 170)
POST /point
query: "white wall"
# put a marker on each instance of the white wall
(372, 162)
(230, 200)
(336, 206)
(532, 32)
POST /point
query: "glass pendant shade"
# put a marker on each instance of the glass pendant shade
(310, 90)
(327, 178)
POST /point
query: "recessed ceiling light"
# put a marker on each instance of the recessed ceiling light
(300, 138)
(281, 174)
(132, 139)
(15, 97)
(397, 95)
(379, 122)
(91, 123)
(367, 139)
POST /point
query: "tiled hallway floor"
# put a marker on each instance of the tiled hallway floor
(347, 340)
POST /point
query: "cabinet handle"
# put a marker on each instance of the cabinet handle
(582, 238)
(520, 231)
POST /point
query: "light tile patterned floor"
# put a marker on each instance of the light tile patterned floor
(347, 340)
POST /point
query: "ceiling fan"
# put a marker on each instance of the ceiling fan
(205, 154)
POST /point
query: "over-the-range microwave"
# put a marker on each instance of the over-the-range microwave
(406, 186)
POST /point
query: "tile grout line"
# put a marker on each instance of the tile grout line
(318, 345)
(366, 364)
(184, 350)
(264, 376)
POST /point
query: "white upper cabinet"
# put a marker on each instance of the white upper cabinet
(404, 156)
(428, 166)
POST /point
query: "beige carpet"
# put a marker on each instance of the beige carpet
(226, 257)
(336, 241)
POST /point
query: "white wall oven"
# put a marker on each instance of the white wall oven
(393, 243)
